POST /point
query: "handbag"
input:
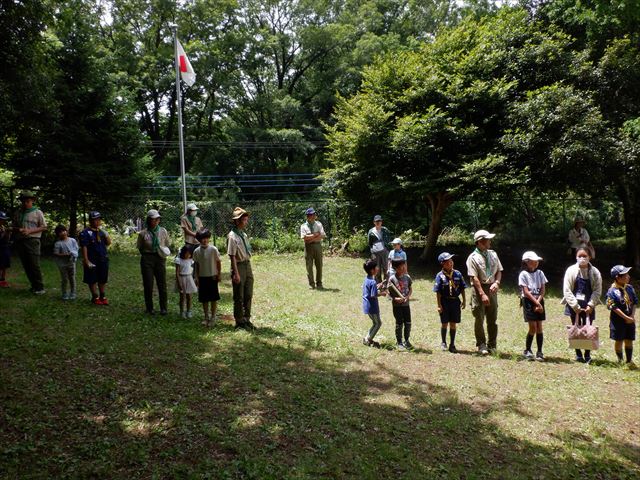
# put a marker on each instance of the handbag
(585, 336)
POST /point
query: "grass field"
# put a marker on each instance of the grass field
(106, 392)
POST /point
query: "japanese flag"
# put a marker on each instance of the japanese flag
(186, 70)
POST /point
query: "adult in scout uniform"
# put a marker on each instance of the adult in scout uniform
(485, 272)
(191, 224)
(312, 232)
(29, 224)
(379, 237)
(153, 245)
(578, 237)
(239, 250)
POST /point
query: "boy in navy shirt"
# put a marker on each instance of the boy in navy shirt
(400, 290)
(449, 286)
(370, 305)
(94, 242)
(622, 301)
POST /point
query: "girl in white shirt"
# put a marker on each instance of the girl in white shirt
(185, 284)
(532, 286)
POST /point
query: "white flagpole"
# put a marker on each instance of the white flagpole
(179, 108)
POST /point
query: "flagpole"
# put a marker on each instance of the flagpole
(179, 108)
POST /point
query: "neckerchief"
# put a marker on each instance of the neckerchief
(97, 232)
(192, 220)
(155, 241)
(245, 241)
(311, 225)
(25, 213)
(450, 277)
(623, 291)
(487, 261)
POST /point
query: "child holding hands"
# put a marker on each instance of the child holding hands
(622, 301)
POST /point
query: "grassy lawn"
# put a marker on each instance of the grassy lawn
(106, 392)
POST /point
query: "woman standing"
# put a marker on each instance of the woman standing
(191, 224)
(582, 288)
(153, 244)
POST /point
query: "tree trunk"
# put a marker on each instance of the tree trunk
(631, 204)
(73, 215)
(438, 203)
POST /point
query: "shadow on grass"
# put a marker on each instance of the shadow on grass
(174, 402)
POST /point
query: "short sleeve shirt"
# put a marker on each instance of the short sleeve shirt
(449, 287)
(578, 238)
(184, 222)
(305, 229)
(31, 220)
(477, 266)
(68, 246)
(370, 296)
(184, 265)
(94, 242)
(235, 246)
(206, 259)
(403, 284)
(534, 281)
(616, 299)
(145, 240)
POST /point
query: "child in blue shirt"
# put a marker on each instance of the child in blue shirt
(94, 242)
(370, 305)
(622, 301)
(449, 286)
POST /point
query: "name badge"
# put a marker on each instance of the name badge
(580, 297)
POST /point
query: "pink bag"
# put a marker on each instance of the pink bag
(583, 337)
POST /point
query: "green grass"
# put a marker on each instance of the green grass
(105, 392)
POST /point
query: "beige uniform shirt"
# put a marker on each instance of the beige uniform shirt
(184, 222)
(317, 227)
(145, 240)
(235, 246)
(31, 220)
(206, 259)
(477, 267)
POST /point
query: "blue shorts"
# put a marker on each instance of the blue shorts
(5, 256)
(451, 312)
(621, 330)
(97, 274)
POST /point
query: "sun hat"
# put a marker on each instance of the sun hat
(94, 214)
(481, 234)
(377, 218)
(310, 211)
(239, 213)
(444, 256)
(26, 194)
(153, 213)
(191, 206)
(164, 252)
(619, 270)
(396, 240)
(578, 219)
(529, 255)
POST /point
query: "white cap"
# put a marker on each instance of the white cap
(530, 256)
(192, 206)
(396, 240)
(480, 234)
(164, 252)
(153, 213)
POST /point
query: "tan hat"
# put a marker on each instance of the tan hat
(481, 234)
(153, 213)
(26, 194)
(239, 213)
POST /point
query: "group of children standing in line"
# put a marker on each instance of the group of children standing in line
(449, 287)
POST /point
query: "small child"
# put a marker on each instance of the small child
(370, 304)
(184, 280)
(5, 249)
(94, 242)
(532, 288)
(396, 254)
(400, 291)
(622, 301)
(207, 266)
(65, 253)
(449, 286)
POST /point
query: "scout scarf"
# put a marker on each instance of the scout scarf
(155, 241)
(311, 225)
(245, 240)
(451, 284)
(97, 232)
(192, 220)
(624, 294)
(487, 261)
(25, 213)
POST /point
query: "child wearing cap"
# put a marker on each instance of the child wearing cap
(206, 259)
(400, 291)
(531, 282)
(622, 301)
(449, 287)
(397, 253)
(65, 253)
(5, 249)
(312, 233)
(370, 305)
(94, 242)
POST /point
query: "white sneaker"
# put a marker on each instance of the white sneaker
(40, 292)
(189, 314)
(183, 314)
(482, 350)
(72, 296)
(65, 296)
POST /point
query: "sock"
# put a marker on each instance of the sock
(443, 334)
(629, 353)
(587, 354)
(529, 342)
(619, 355)
(539, 340)
(452, 333)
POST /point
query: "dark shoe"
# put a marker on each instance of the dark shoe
(579, 359)
(539, 357)
(150, 312)
(320, 287)
(587, 360)
(312, 287)
(453, 349)
(375, 344)
(163, 312)
(408, 345)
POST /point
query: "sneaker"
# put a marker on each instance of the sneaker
(189, 314)
(366, 341)
(248, 325)
(528, 355)
(39, 292)
(320, 287)
(631, 366)
(587, 360)
(375, 344)
(453, 349)
(401, 347)
(312, 287)
(579, 359)
(183, 314)
(443, 346)
(104, 301)
(96, 301)
(482, 350)
(408, 345)
(4, 284)
(65, 296)
(539, 357)
(72, 296)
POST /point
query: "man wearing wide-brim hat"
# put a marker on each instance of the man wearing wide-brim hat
(312, 233)
(239, 251)
(29, 223)
(485, 272)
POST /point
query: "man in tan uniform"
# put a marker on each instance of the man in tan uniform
(29, 224)
(239, 250)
